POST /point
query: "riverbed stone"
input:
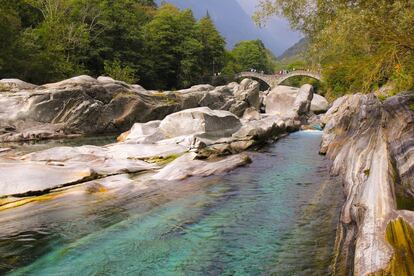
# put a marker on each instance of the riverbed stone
(142, 133)
(248, 91)
(319, 104)
(25, 177)
(85, 105)
(100, 160)
(187, 166)
(251, 114)
(280, 100)
(303, 100)
(289, 101)
(201, 121)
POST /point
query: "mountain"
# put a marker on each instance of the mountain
(233, 20)
(296, 52)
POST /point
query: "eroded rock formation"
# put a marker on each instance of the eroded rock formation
(84, 105)
(372, 147)
(198, 131)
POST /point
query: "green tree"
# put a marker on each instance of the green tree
(49, 40)
(173, 51)
(213, 47)
(252, 54)
(116, 32)
(10, 26)
(117, 71)
(50, 46)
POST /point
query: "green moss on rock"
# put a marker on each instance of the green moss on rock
(401, 237)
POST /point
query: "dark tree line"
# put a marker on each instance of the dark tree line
(131, 40)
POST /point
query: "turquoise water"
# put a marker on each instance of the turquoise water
(276, 216)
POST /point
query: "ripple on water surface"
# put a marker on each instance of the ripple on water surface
(276, 216)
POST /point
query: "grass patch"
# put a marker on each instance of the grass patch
(159, 94)
(161, 161)
(125, 93)
(382, 97)
(166, 98)
(4, 88)
(401, 237)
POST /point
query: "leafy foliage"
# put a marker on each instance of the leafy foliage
(252, 54)
(361, 44)
(130, 40)
(116, 71)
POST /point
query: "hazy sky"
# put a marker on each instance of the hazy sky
(276, 26)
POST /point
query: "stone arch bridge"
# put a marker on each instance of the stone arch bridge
(275, 80)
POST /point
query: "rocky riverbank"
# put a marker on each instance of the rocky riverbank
(371, 144)
(84, 105)
(196, 141)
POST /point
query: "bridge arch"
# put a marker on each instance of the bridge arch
(264, 82)
(310, 74)
(275, 80)
(268, 79)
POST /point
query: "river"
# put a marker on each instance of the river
(276, 216)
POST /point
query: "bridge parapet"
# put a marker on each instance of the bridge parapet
(277, 79)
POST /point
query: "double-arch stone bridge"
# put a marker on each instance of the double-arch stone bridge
(275, 80)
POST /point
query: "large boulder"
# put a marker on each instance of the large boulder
(140, 132)
(248, 91)
(82, 105)
(262, 129)
(280, 100)
(289, 101)
(187, 165)
(85, 105)
(319, 104)
(201, 121)
(238, 108)
(303, 100)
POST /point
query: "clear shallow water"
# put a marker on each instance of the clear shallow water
(276, 216)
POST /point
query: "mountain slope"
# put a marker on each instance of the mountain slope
(296, 52)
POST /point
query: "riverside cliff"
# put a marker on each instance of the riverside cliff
(371, 144)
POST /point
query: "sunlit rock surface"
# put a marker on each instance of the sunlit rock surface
(187, 165)
(372, 148)
(62, 166)
(25, 177)
(200, 121)
(284, 99)
(289, 101)
(202, 129)
(84, 105)
(205, 122)
(319, 104)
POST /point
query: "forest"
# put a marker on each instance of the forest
(130, 40)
